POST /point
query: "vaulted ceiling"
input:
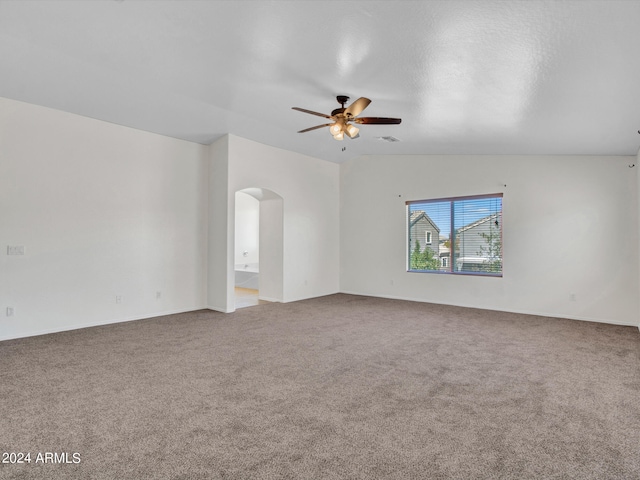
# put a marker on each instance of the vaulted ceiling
(466, 77)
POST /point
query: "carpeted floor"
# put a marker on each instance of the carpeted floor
(335, 387)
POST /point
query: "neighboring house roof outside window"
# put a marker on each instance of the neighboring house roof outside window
(419, 215)
(494, 217)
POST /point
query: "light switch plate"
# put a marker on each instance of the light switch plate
(15, 249)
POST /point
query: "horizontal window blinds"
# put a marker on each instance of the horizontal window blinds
(465, 233)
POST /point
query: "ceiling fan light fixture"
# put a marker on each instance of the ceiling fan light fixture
(339, 136)
(335, 129)
(352, 130)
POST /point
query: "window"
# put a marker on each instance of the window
(463, 235)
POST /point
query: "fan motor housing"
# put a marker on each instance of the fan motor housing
(342, 99)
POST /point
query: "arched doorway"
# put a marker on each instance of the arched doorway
(258, 247)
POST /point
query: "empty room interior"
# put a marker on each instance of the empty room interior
(319, 239)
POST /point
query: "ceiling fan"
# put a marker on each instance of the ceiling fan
(343, 116)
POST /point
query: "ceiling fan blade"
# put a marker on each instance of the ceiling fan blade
(310, 111)
(313, 128)
(357, 107)
(378, 120)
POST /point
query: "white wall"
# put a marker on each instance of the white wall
(102, 211)
(105, 211)
(570, 226)
(310, 191)
(219, 226)
(271, 278)
(636, 169)
(247, 229)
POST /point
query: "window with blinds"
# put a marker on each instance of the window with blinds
(465, 235)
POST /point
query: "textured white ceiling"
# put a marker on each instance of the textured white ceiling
(466, 77)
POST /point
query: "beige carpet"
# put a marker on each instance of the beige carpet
(336, 387)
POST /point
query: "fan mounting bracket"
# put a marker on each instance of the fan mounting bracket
(342, 99)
